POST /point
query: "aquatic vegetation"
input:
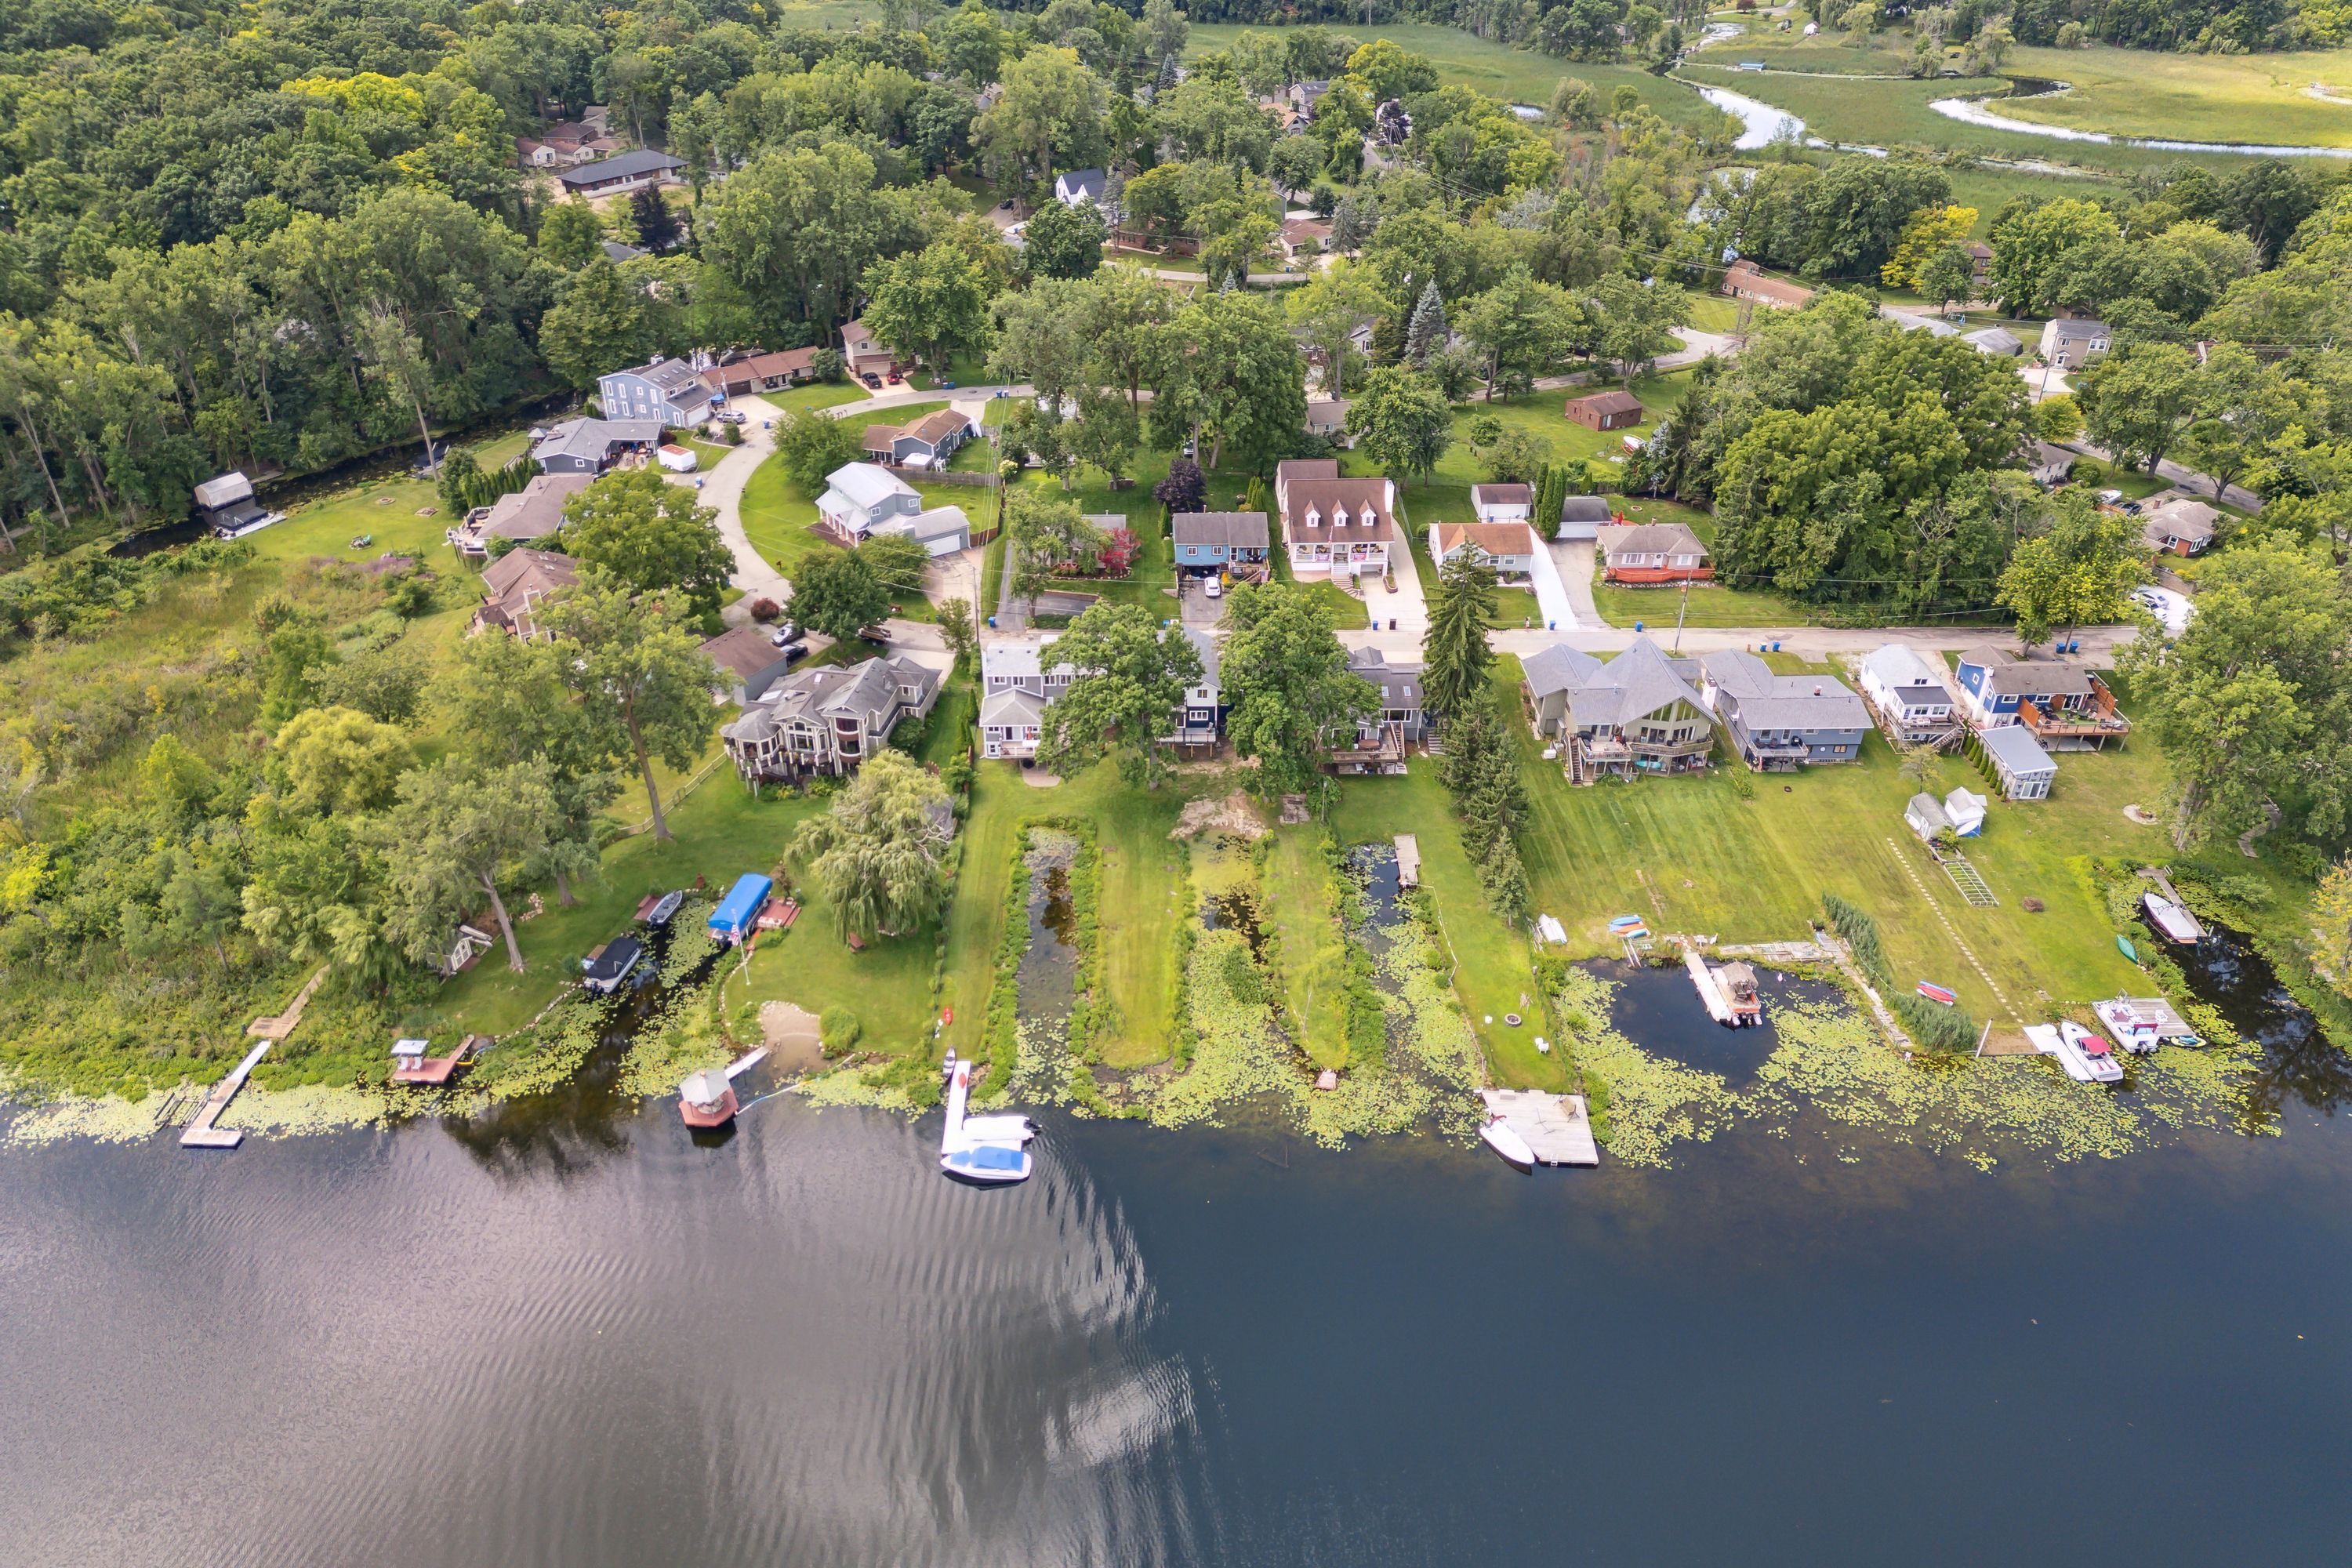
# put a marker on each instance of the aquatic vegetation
(1653, 1103)
(683, 1036)
(1239, 1052)
(690, 940)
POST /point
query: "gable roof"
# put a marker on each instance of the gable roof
(2013, 745)
(1012, 707)
(595, 438)
(2183, 518)
(1502, 495)
(627, 166)
(2056, 677)
(1639, 680)
(1493, 539)
(743, 651)
(1994, 340)
(937, 426)
(1772, 702)
(1585, 508)
(937, 523)
(1898, 665)
(1326, 498)
(535, 510)
(668, 374)
(1605, 402)
(1245, 530)
(868, 485)
(1087, 182)
(525, 571)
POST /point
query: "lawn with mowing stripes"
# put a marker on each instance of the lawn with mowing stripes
(1299, 905)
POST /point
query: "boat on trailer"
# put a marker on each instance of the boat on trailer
(1504, 1139)
(2176, 923)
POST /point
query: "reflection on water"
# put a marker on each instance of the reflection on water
(1659, 1008)
(2298, 1061)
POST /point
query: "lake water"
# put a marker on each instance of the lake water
(571, 1336)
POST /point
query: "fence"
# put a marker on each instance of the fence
(944, 477)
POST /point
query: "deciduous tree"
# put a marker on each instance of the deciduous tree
(636, 531)
(639, 677)
(1131, 676)
(878, 851)
(1292, 695)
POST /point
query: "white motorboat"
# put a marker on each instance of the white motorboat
(988, 1150)
(2086, 1056)
(2176, 923)
(2142, 1023)
(1502, 1140)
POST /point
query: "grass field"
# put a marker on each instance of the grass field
(1492, 975)
(1296, 888)
(1517, 75)
(1746, 856)
(2195, 97)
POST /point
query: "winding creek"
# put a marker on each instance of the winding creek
(568, 1334)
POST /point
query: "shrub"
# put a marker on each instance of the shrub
(1934, 1026)
(764, 609)
(838, 1030)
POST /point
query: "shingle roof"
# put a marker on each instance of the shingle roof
(743, 651)
(1618, 402)
(1502, 495)
(1013, 707)
(1994, 340)
(596, 437)
(535, 510)
(1651, 539)
(2183, 520)
(1898, 665)
(868, 485)
(937, 426)
(1244, 529)
(2013, 745)
(2055, 676)
(1766, 701)
(1326, 498)
(627, 166)
(1559, 668)
(1639, 680)
(1585, 508)
(1494, 539)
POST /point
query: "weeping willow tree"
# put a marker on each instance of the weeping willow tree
(880, 853)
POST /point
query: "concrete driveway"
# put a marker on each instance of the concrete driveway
(1579, 564)
(722, 493)
(1406, 606)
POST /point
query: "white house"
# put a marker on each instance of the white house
(1503, 503)
(2024, 769)
(1908, 692)
(1334, 527)
(859, 498)
(1015, 684)
(1509, 548)
(1079, 187)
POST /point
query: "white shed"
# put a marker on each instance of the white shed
(1925, 816)
(1967, 810)
(2026, 771)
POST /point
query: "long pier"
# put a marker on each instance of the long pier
(1708, 992)
(201, 1134)
(1555, 1125)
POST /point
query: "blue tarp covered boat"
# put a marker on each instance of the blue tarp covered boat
(731, 921)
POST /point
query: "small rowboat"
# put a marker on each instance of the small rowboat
(1626, 923)
(1501, 1137)
(1935, 992)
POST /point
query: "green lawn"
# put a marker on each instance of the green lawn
(818, 394)
(1297, 904)
(1711, 604)
(1493, 976)
(1694, 855)
(964, 370)
(779, 519)
(1419, 506)
(1713, 312)
(1345, 609)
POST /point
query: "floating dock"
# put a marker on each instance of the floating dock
(201, 1134)
(1555, 1125)
(1408, 859)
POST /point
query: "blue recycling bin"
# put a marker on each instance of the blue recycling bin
(1637, 625)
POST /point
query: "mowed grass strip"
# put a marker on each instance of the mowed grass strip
(1299, 905)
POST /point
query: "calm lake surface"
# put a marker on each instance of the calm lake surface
(572, 1337)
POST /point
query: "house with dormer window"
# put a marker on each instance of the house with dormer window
(1334, 527)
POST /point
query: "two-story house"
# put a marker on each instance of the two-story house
(517, 585)
(1201, 721)
(2071, 344)
(1400, 722)
(1508, 548)
(1636, 713)
(1778, 722)
(519, 516)
(927, 442)
(671, 390)
(829, 719)
(860, 497)
(2066, 706)
(1909, 694)
(1017, 680)
(861, 352)
(1654, 553)
(1209, 543)
(1080, 187)
(1334, 527)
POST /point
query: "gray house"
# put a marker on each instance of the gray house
(927, 442)
(2025, 771)
(1910, 693)
(1379, 744)
(591, 446)
(1637, 714)
(629, 172)
(746, 661)
(1782, 722)
(1583, 517)
(669, 389)
(828, 720)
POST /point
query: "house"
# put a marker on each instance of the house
(1327, 417)
(1778, 722)
(2063, 704)
(755, 370)
(1654, 553)
(1606, 410)
(1909, 693)
(516, 585)
(1744, 279)
(1979, 261)
(1637, 714)
(591, 446)
(1583, 517)
(828, 718)
(1331, 526)
(1934, 326)
(2017, 761)
(1210, 542)
(1378, 743)
(519, 516)
(1201, 721)
(618, 251)
(861, 352)
(2050, 466)
(1016, 685)
(1079, 188)
(2181, 527)
(669, 389)
(746, 661)
(2071, 344)
(1302, 237)
(1503, 503)
(927, 442)
(629, 172)
(859, 498)
(1999, 341)
(1303, 96)
(1508, 547)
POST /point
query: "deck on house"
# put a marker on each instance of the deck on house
(1555, 1125)
(201, 1134)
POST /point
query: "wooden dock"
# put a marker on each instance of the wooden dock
(201, 1134)
(2157, 875)
(1555, 1125)
(1708, 992)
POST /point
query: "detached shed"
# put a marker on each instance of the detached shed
(1925, 816)
(2016, 759)
(1967, 810)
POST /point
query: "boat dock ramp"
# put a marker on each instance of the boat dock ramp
(1554, 1125)
(201, 1134)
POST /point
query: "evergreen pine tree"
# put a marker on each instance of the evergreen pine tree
(1457, 663)
(1426, 333)
(1552, 494)
(1229, 284)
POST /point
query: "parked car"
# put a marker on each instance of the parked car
(732, 416)
(785, 634)
(2171, 608)
(896, 379)
(874, 634)
(794, 651)
(872, 380)
(1215, 590)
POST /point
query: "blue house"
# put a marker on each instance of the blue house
(731, 922)
(2067, 707)
(1207, 542)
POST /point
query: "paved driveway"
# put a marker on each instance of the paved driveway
(722, 493)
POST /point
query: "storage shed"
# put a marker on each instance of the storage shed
(1925, 816)
(731, 921)
(2025, 770)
